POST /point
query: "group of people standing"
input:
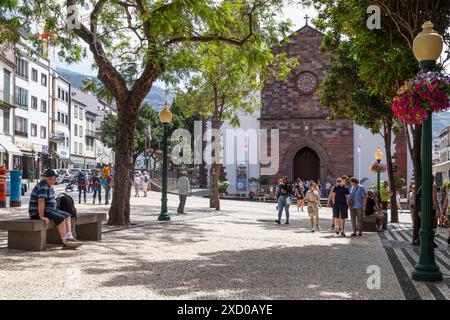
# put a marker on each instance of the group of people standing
(141, 181)
(440, 206)
(95, 183)
(347, 195)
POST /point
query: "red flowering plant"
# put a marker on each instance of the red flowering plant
(378, 167)
(418, 97)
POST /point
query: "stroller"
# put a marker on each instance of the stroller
(70, 186)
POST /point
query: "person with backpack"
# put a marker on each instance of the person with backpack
(96, 186)
(82, 184)
(107, 185)
(146, 182)
(43, 206)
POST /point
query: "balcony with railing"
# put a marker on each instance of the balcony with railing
(21, 133)
(56, 136)
(91, 133)
(6, 100)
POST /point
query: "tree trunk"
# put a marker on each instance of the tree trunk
(390, 168)
(215, 157)
(417, 164)
(202, 168)
(119, 212)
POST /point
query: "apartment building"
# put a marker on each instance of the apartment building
(60, 137)
(32, 91)
(90, 151)
(9, 154)
(78, 126)
(104, 155)
(442, 169)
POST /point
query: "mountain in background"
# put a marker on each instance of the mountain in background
(156, 98)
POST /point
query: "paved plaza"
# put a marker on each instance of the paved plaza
(237, 253)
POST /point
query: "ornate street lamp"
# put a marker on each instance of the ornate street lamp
(378, 157)
(427, 48)
(166, 117)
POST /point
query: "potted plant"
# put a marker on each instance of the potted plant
(223, 185)
(263, 180)
(420, 96)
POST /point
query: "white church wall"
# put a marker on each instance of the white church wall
(236, 153)
(369, 144)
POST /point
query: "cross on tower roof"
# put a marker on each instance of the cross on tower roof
(306, 19)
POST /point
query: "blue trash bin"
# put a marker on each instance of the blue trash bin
(15, 194)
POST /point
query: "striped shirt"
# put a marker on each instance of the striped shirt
(41, 190)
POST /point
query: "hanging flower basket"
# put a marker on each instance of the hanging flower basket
(378, 167)
(418, 97)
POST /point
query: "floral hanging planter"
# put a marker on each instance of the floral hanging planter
(378, 167)
(418, 97)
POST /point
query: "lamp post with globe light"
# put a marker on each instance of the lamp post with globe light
(166, 117)
(427, 48)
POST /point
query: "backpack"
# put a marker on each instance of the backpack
(64, 202)
(81, 179)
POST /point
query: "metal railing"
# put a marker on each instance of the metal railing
(6, 98)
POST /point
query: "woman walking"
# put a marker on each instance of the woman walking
(299, 194)
(137, 184)
(283, 194)
(313, 198)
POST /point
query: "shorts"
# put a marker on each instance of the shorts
(57, 216)
(340, 211)
(313, 211)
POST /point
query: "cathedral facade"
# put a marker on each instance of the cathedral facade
(310, 147)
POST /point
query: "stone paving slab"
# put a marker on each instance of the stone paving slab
(237, 253)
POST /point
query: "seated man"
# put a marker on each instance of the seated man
(262, 196)
(43, 206)
(251, 195)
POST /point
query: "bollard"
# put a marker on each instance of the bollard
(3, 187)
(16, 188)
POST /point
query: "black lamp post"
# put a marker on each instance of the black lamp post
(166, 117)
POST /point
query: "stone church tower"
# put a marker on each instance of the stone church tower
(310, 147)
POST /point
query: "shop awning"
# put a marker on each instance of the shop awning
(8, 146)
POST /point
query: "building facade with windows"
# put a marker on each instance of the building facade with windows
(104, 155)
(90, 134)
(60, 134)
(442, 169)
(32, 76)
(77, 152)
(8, 150)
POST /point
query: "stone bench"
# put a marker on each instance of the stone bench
(26, 234)
(369, 223)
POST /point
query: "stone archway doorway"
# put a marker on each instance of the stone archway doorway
(306, 164)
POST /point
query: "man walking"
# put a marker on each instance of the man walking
(339, 200)
(96, 186)
(385, 197)
(82, 183)
(184, 188)
(358, 201)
